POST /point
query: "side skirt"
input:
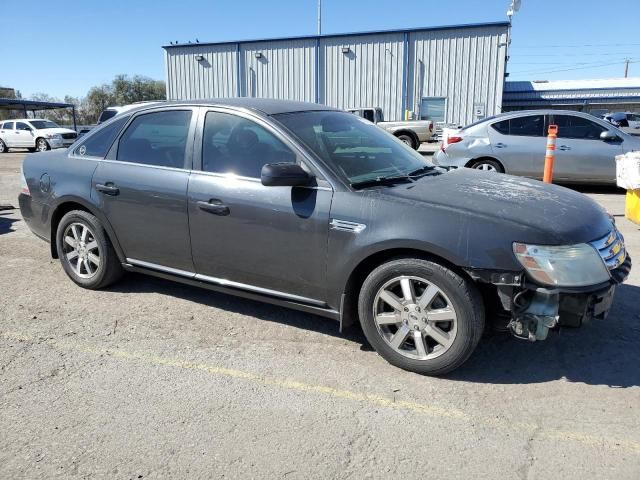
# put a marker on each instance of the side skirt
(323, 311)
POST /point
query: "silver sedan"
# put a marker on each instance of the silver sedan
(515, 143)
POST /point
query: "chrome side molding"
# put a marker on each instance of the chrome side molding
(226, 283)
(346, 226)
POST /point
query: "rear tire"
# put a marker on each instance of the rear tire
(3, 147)
(409, 140)
(42, 145)
(430, 304)
(488, 165)
(85, 251)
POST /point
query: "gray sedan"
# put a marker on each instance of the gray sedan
(308, 207)
(515, 143)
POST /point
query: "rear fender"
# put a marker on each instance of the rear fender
(61, 202)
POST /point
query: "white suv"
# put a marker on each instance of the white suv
(34, 134)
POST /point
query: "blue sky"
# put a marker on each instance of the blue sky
(65, 48)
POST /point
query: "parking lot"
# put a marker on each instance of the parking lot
(151, 379)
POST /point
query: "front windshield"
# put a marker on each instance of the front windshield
(356, 148)
(43, 124)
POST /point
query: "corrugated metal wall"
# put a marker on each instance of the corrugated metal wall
(213, 77)
(291, 62)
(464, 65)
(368, 75)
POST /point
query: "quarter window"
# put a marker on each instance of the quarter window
(98, 144)
(158, 138)
(502, 127)
(577, 127)
(235, 145)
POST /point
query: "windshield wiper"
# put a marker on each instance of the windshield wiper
(381, 181)
(422, 171)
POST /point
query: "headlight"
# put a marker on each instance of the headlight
(563, 266)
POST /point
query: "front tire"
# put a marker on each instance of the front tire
(421, 316)
(42, 145)
(86, 254)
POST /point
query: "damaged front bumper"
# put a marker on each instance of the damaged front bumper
(531, 310)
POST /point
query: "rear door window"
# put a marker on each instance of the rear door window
(570, 126)
(98, 144)
(527, 126)
(7, 126)
(158, 138)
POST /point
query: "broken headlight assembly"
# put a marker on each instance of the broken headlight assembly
(562, 266)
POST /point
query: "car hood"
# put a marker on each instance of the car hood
(550, 212)
(56, 130)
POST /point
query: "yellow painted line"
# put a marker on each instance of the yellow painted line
(371, 399)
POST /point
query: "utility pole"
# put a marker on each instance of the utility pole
(319, 17)
(627, 61)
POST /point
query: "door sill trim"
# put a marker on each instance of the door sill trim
(226, 283)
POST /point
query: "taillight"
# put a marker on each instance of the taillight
(24, 188)
(451, 140)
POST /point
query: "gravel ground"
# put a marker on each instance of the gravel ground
(152, 379)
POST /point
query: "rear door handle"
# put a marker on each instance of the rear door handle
(214, 206)
(108, 188)
(564, 148)
(500, 145)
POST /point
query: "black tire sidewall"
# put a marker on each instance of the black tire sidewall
(5, 149)
(78, 216)
(412, 142)
(460, 291)
(45, 142)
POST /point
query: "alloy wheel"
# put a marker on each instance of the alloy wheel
(415, 317)
(81, 250)
(487, 167)
(42, 145)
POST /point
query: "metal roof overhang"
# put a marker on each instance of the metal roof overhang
(33, 105)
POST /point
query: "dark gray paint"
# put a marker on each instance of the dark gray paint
(279, 237)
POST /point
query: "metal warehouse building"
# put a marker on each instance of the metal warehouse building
(453, 74)
(592, 96)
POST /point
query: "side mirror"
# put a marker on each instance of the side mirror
(608, 136)
(284, 175)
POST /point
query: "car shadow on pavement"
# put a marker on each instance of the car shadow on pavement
(603, 352)
(139, 283)
(600, 353)
(6, 223)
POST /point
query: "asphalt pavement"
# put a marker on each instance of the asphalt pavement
(152, 379)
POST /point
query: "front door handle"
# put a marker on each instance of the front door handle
(108, 188)
(500, 145)
(214, 206)
(564, 148)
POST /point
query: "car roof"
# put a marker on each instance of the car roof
(266, 106)
(26, 120)
(546, 111)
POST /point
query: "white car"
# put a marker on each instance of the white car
(34, 134)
